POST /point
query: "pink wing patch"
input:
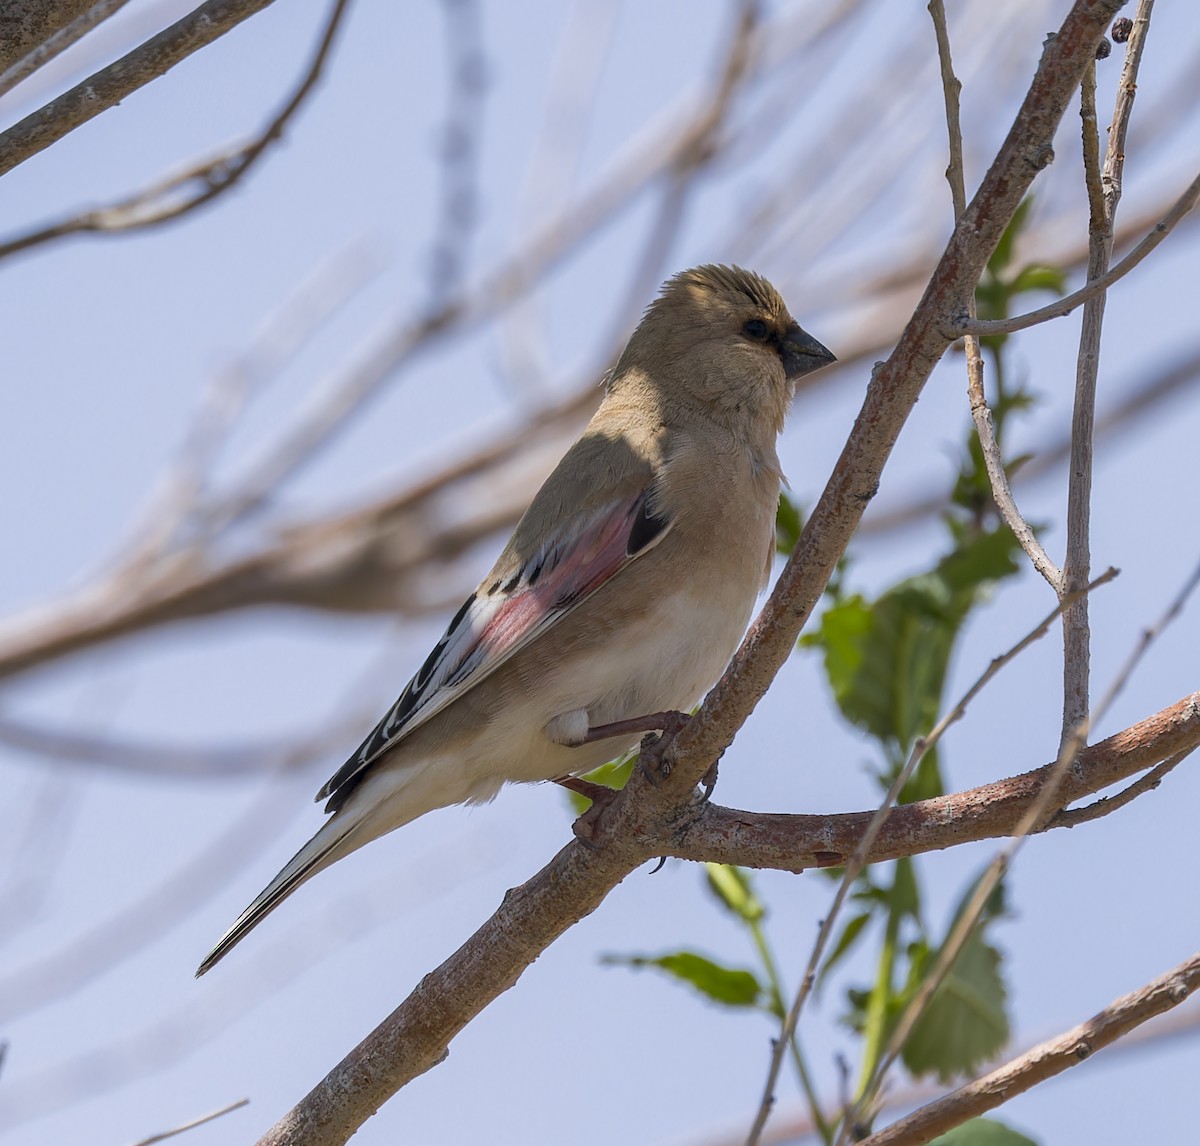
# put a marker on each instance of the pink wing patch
(582, 567)
(497, 621)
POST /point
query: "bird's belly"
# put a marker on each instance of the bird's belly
(667, 661)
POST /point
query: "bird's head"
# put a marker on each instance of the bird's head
(721, 338)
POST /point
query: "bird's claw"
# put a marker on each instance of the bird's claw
(586, 826)
(650, 754)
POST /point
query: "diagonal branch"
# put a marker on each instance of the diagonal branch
(35, 33)
(1046, 1060)
(109, 86)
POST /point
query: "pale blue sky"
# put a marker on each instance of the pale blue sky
(108, 347)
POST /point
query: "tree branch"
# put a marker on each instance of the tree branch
(35, 31)
(184, 192)
(796, 843)
(1044, 1061)
(107, 87)
(1104, 193)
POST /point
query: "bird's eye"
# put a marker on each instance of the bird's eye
(757, 329)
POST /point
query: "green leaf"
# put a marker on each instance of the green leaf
(887, 661)
(789, 522)
(729, 986)
(614, 774)
(842, 946)
(1003, 253)
(983, 1132)
(977, 563)
(731, 886)
(1039, 277)
(905, 894)
(965, 1023)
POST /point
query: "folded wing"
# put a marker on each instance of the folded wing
(503, 616)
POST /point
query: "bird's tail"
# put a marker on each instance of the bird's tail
(336, 839)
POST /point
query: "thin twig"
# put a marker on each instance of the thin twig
(1094, 287)
(88, 750)
(185, 191)
(1073, 817)
(165, 1134)
(1104, 193)
(1002, 493)
(980, 412)
(1077, 634)
(920, 749)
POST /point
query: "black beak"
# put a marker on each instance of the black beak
(801, 353)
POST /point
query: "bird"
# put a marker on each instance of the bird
(625, 587)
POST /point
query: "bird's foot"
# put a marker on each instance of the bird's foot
(597, 793)
(650, 754)
(587, 824)
(709, 781)
(665, 723)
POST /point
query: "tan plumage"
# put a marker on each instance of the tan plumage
(624, 589)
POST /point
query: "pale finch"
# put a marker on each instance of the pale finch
(623, 592)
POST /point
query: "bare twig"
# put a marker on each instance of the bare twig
(951, 91)
(1104, 192)
(858, 859)
(1035, 818)
(1077, 634)
(87, 749)
(1001, 490)
(112, 84)
(980, 412)
(1073, 817)
(1094, 287)
(189, 189)
(165, 1134)
(1044, 1061)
